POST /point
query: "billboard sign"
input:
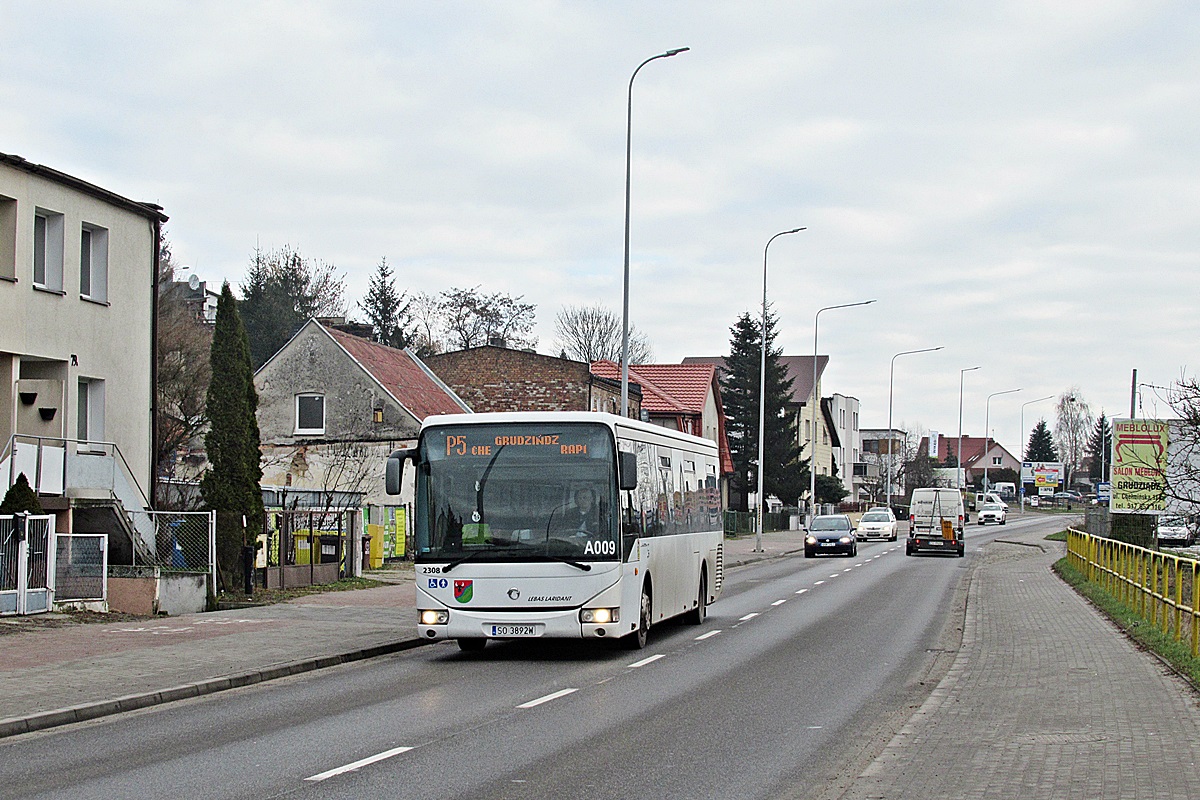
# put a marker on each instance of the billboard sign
(934, 436)
(1139, 465)
(1042, 474)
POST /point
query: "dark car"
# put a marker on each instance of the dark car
(830, 533)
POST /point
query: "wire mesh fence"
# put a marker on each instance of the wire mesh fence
(81, 571)
(183, 540)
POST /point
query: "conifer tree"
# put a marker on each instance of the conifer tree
(386, 308)
(1098, 448)
(20, 497)
(785, 476)
(231, 486)
(1041, 444)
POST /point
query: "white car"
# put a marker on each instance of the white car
(1174, 531)
(878, 523)
(993, 512)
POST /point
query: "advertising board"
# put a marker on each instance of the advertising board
(1042, 474)
(1139, 465)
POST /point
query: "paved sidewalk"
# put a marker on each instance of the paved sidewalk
(1044, 700)
(55, 676)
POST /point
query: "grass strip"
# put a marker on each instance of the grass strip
(1061, 536)
(1177, 654)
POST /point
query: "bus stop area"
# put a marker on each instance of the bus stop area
(73, 672)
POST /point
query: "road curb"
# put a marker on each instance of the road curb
(743, 562)
(15, 726)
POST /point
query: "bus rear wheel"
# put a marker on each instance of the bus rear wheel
(637, 639)
(698, 614)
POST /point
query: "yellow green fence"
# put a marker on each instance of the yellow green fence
(1162, 588)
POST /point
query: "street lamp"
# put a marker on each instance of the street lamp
(812, 438)
(891, 444)
(1031, 402)
(960, 471)
(762, 392)
(987, 408)
(625, 293)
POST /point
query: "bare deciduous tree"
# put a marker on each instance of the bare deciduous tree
(1072, 428)
(592, 333)
(472, 319)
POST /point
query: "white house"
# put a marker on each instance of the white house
(78, 272)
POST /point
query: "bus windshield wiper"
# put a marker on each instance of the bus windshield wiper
(460, 560)
(565, 560)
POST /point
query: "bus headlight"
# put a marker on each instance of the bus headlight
(435, 617)
(600, 616)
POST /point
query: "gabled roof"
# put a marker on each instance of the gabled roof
(972, 448)
(401, 374)
(666, 388)
(799, 369)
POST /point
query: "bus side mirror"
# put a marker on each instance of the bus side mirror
(627, 464)
(395, 469)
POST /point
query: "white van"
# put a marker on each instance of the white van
(928, 508)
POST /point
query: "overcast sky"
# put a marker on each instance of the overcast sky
(1014, 181)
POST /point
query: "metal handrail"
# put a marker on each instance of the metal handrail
(10, 449)
(1149, 582)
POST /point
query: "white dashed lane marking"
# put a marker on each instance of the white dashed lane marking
(708, 635)
(395, 751)
(547, 698)
(646, 661)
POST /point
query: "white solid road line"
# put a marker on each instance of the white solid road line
(645, 661)
(708, 635)
(395, 751)
(547, 698)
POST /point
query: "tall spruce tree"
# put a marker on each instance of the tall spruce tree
(231, 486)
(785, 476)
(1099, 446)
(387, 309)
(1041, 444)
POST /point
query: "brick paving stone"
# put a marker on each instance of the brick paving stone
(1046, 699)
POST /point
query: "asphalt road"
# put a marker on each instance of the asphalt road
(803, 667)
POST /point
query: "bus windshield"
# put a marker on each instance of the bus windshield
(517, 492)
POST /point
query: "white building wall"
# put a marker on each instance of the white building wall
(64, 337)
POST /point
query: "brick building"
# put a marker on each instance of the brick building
(492, 378)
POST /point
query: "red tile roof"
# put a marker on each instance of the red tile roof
(666, 388)
(799, 369)
(972, 448)
(403, 375)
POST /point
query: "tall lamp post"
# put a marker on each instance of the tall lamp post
(762, 394)
(812, 437)
(960, 471)
(987, 408)
(891, 444)
(1031, 402)
(625, 293)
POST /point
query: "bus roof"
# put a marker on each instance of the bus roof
(611, 421)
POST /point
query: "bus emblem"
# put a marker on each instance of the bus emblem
(514, 594)
(463, 591)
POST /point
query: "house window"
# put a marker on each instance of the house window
(996, 460)
(93, 263)
(90, 410)
(310, 414)
(48, 250)
(8, 238)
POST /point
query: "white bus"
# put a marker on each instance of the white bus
(560, 524)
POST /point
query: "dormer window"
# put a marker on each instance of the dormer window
(310, 414)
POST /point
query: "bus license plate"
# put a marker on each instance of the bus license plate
(513, 631)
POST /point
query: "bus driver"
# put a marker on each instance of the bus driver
(582, 517)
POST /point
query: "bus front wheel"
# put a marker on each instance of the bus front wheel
(637, 639)
(701, 610)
